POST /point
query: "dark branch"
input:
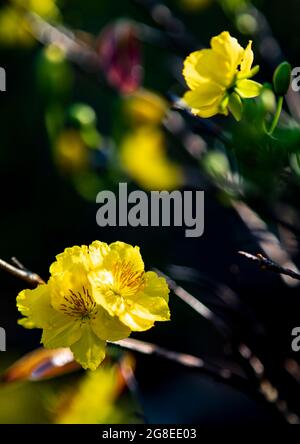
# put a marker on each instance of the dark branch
(147, 348)
(267, 264)
(20, 273)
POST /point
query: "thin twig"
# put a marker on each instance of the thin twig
(75, 49)
(195, 304)
(269, 244)
(18, 263)
(25, 275)
(266, 264)
(184, 359)
(266, 387)
(224, 375)
(253, 366)
(127, 372)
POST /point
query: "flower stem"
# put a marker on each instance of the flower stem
(276, 116)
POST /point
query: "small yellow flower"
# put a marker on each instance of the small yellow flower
(144, 157)
(219, 76)
(69, 306)
(71, 154)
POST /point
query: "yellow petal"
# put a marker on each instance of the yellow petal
(35, 304)
(152, 309)
(190, 72)
(156, 286)
(128, 254)
(135, 322)
(89, 351)
(63, 332)
(214, 67)
(70, 285)
(229, 48)
(108, 328)
(26, 323)
(69, 257)
(204, 111)
(103, 294)
(205, 95)
(152, 302)
(248, 88)
(97, 251)
(247, 61)
(149, 305)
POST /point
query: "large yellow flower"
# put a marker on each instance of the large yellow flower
(68, 307)
(219, 77)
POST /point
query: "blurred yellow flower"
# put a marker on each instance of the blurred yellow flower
(73, 312)
(71, 153)
(94, 401)
(143, 156)
(15, 27)
(219, 77)
(145, 107)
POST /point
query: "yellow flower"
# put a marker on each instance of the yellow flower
(219, 77)
(45, 8)
(121, 285)
(98, 390)
(101, 392)
(15, 27)
(71, 154)
(68, 307)
(144, 157)
(145, 107)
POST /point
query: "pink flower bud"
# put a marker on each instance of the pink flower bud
(120, 56)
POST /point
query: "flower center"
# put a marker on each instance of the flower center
(126, 281)
(79, 304)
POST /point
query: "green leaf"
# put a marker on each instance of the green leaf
(282, 78)
(235, 106)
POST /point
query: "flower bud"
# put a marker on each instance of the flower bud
(120, 56)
